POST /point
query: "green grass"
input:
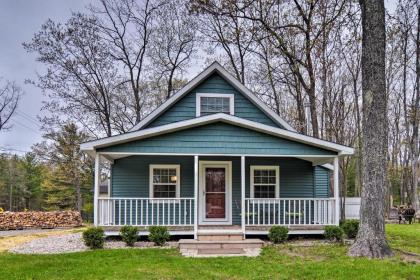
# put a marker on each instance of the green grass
(279, 262)
(404, 237)
(283, 262)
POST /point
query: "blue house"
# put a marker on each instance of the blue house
(215, 158)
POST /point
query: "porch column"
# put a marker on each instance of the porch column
(336, 192)
(195, 196)
(96, 189)
(243, 194)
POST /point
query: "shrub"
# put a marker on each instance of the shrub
(94, 237)
(350, 228)
(334, 233)
(129, 235)
(159, 235)
(278, 234)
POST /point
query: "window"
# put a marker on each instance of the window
(164, 181)
(264, 181)
(212, 103)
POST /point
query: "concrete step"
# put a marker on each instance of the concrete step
(217, 235)
(220, 244)
(233, 251)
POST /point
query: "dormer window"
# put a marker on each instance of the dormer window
(213, 103)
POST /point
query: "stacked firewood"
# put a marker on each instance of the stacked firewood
(38, 219)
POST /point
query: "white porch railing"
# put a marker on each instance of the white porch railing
(145, 211)
(289, 211)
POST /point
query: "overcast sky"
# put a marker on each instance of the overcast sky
(19, 20)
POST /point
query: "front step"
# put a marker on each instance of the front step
(200, 248)
(219, 235)
(233, 251)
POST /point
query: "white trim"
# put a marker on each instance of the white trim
(276, 168)
(228, 199)
(164, 166)
(198, 97)
(243, 194)
(336, 192)
(96, 188)
(214, 67)
(141, 134)
(195, 196)
(145, 233)
(291, 232)
(217, 155)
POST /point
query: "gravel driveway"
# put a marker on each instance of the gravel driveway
(68, 243)
(10, 233)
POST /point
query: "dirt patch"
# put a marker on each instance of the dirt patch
(407, 256)
(305, 252)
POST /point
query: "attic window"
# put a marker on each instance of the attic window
(213, 103)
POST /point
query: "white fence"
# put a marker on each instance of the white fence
(145, 211)
(289, 211)
(352, 207)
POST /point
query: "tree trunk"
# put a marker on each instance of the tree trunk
(415, 140)
(370, 240)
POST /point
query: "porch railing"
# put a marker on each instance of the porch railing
(289, 211)
(145, 211)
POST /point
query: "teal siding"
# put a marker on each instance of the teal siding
(218, 138)
(298, 178)
(130, 178)
(130, 175)
(185, 108)
(322, 182)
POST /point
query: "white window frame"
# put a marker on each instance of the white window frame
(177, 167)
(223, 95)
(276, 168)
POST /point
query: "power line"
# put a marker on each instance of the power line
(29, 118)
(25, 126)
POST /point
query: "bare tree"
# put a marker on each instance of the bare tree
(370, 240)
(126, 28)
(415, 119)
(10, 95)
(230, 35)
(174, 44)
(80, 76)
(289, 24)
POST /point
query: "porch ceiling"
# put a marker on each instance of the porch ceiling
(325, 161)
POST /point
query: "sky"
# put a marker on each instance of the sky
(19, 20)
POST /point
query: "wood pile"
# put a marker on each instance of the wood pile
(38, 219)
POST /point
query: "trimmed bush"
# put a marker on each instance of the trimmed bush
(278, 234)
(94, 237)
(159, 235)
(334, 233)
(350, 228)
(129, 235)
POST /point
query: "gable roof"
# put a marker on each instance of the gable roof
(214, 67)
(220, 117)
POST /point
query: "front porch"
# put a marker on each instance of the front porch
(130, 202)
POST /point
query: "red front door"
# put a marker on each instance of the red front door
(215, 192)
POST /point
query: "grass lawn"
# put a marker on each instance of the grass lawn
(404, 237)
(280, 262)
